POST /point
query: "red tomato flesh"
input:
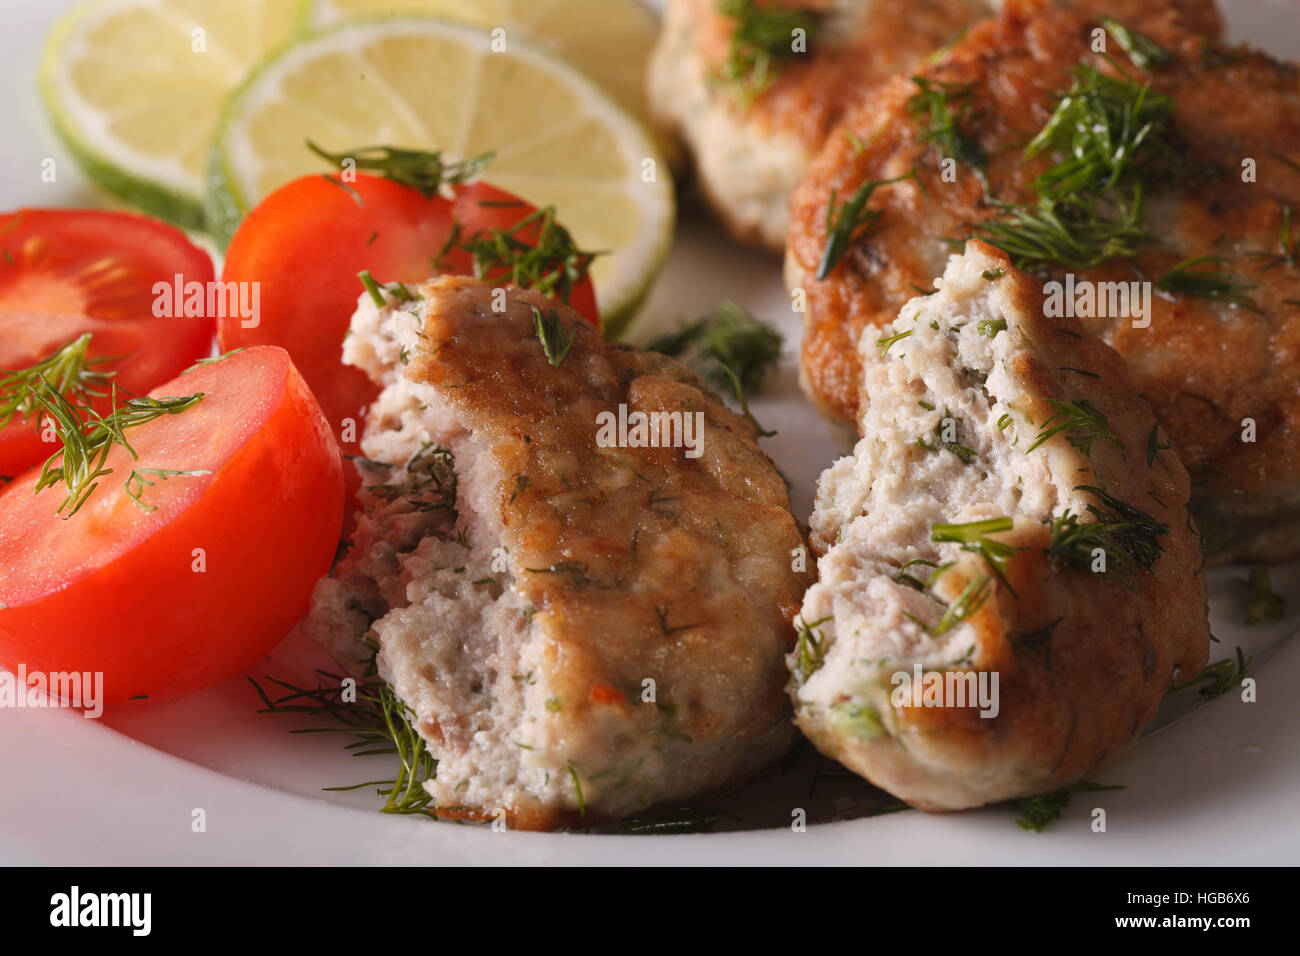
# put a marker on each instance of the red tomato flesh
(305, 244)
(64, 273)
(173, 600)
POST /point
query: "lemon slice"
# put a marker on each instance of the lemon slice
(422, 83)
(135, 89)
(609, 40)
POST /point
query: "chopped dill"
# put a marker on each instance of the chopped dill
(728, 338)
(421, 170)
(1265, 604)
(1129, 537)
(941, 109)
(550, 331)
(810, 650)
(1144, 52)
(1083, 424)
(850, 222)
(1036, 813)
(88, 438)
(383, 725)
(1186, 279)
(68, 371)
(1155, 446)
(887, 343)
(763, 35)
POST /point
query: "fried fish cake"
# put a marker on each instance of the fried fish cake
(1202, 216)
(1009, 580)
(587, 615)
(753, 133)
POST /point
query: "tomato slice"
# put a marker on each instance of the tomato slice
(171, 600)
(305, 244)
(64, 273)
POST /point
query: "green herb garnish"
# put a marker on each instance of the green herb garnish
(1037, 812)
(851, 221)
(729, 338)
(550, 331)
(810, 650)
(89, 437)
(1129, 537)
(383, 725)
(535, 253)
(1145, 53)
(421, 170)
(763, 34)
(1265, 604)
(1186, 279)
(1221, 676)
(973, 537)
(940, 123)
(1083, 423)
(68, 371)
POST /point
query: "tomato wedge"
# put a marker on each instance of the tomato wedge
(209, 571)
(305, 244)
(64, 273)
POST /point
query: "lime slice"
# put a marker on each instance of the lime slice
(609, 40)
(135, 89)
(430, 84)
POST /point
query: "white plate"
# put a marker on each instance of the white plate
(1209, 784)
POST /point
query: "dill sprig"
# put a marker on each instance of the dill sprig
(550, 331)
(729, 338)
(1265, 604)
(1221, 676)
(1103, 128)
(933, 107)
(973, 536)
(1129, 537)
(88, 438)
(68, 371)
(1083, 424)
(1186, 279)
(422, 170)
(851, 221)
(1288, 250)
(762, 35)
(1037, 812)
(970, 600)
(383, 725)
(535, 253)
(1143, 51)
(810, 650)
(1108, 133)
(1078, 232)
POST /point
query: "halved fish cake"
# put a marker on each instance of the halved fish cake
(587, 619)
(1008, 529)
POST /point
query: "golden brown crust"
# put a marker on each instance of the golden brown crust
(1205, 366)
(640, 561)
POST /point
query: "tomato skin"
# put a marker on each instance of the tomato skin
(66, 272)
(305, 244)
(267, 522)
